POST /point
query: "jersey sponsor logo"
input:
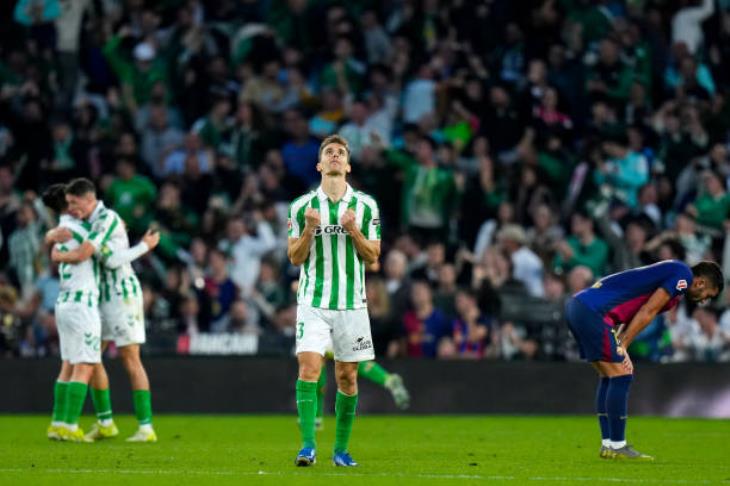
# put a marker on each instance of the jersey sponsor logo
(330, 229)
(362, 344)
(681, 284)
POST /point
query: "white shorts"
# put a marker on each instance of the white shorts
(122, 320)
(347, 332)
(79, 332)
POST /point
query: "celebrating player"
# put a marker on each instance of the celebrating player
(334, 232)
(606, 318)
(78, 323)
(121, 309)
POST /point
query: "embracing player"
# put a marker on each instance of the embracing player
(122, 314)
(334, 232)
(606, 318)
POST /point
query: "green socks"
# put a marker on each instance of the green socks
(373, 372)
(142, 406)
(60, 389)
(345, 406)
(102, 404)
(321, 388)
(75, 398)
(307, 407)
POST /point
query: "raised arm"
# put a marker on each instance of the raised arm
(368, 249)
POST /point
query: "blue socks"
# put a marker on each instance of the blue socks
(617, 398)
(601, 392)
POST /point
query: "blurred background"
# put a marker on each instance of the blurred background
(518, 151)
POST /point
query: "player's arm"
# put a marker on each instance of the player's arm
(369, 250)
(115, 259)
(80, 254)
(59, 234)
(367, 246)
(646, 314)
(299, 243)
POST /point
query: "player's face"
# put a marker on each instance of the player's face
(334, 160)
(701, 292)
(81, 207)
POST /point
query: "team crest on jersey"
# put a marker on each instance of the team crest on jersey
(681, 284)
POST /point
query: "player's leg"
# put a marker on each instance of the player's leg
(312, 340)
(321, 391)
(141, 395)
(83, 340)
(345, 407)
(104, 427)
(601, 412)
(60, 391)
(370, 370)
(353, 344)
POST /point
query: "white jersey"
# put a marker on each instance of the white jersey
(78, 282)
(333, 276)
(109, 235)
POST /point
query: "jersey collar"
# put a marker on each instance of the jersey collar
(95, 213)
(349, 192)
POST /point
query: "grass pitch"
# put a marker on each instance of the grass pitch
(399, 450)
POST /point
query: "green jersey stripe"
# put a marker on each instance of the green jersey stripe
(335, 291)
(319, 269)
(350, 261)
(125, 292)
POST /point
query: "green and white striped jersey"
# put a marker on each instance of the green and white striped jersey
(333, 276)
(78, 282)
(109, 235)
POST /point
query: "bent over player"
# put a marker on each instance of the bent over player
(606, 318)
(334, 232)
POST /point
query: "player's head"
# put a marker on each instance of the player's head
(55, 198)
(707, 282)
(334, 157)
(81, 197)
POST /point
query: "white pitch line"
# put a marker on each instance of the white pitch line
(169, 472)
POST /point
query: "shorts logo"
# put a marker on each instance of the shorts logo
(362, 344)
(91, 341)
(681, 284)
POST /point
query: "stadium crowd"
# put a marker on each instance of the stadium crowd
(517, 150)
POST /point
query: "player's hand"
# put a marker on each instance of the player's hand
(348, 221)
(59, 235)
(151, 238)
(311, 218)
(627, 365)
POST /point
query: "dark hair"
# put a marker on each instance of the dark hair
(80, 187)
(55, 198)
(712, 272)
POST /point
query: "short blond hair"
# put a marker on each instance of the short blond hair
(334, 139)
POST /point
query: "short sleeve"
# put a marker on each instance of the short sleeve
(101, 229)
(373, 226)
(678, 280)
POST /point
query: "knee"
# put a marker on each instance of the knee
(130, 361)
(347, 381)
(309, 372)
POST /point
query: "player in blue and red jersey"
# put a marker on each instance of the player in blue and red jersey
(606, 318)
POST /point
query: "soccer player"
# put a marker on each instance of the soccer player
(78, 324)
(121, 297)
(334, 232)
(606, 318)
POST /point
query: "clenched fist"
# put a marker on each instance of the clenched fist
(311, 218)
(348, 221)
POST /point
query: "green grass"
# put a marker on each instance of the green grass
(391, 450)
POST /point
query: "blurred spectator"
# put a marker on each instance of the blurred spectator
(582, 247)
(246, 249)
(526, 266)
(23, 247)
(132, 196)
(425, 325)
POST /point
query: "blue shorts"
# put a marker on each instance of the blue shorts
(596, 338)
